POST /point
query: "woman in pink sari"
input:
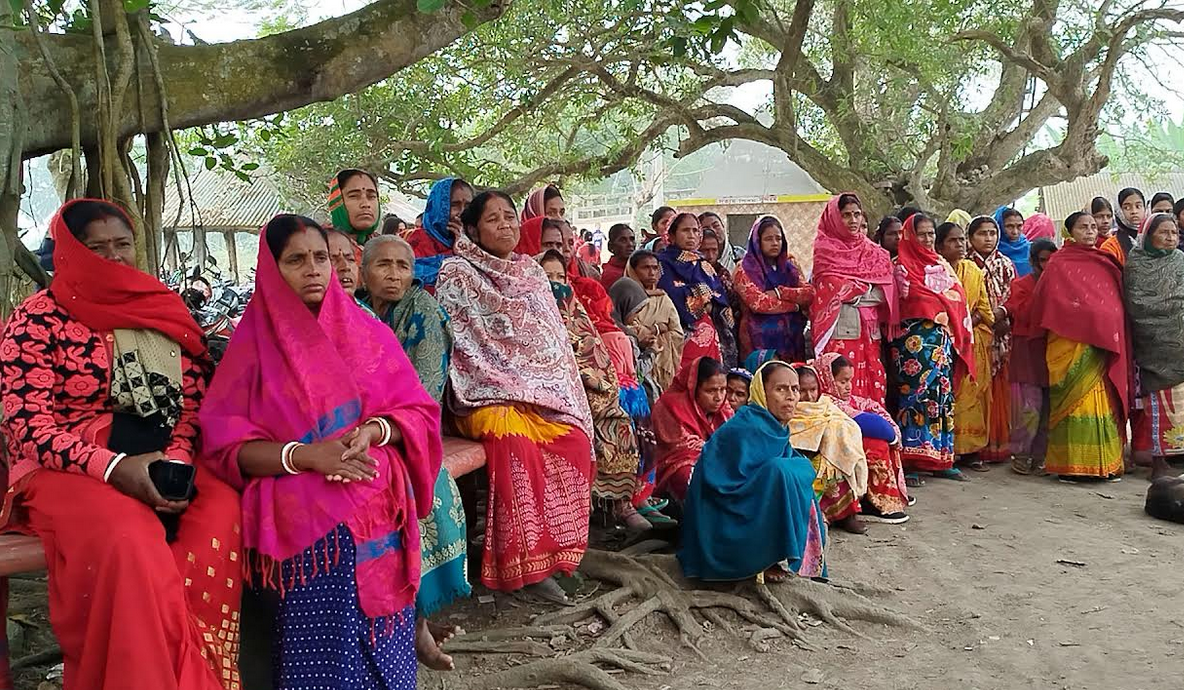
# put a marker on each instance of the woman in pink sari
(855, 295)
(335, 449)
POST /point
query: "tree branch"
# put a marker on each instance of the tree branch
(248, 78)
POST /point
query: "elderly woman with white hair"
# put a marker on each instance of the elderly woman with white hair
(399, 300)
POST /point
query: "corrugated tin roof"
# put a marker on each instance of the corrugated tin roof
(750, 168)
(1059, 200)
(224, 201)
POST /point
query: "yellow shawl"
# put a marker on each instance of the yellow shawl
(821, 427)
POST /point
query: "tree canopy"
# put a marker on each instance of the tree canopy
(944, 103)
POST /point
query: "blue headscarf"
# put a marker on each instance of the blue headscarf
(435, 224)
(1019, 251)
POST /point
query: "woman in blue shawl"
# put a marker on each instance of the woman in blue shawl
(432, 243)
(691, 283)
(1013, 243)
(773, 296)
(751, 507)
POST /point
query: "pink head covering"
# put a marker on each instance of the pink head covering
(846, 265)
(1039, 226)
(290, 375)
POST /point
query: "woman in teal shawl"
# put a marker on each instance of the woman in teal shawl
(751, 507)
(421, 326)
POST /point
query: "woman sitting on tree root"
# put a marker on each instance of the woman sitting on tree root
(685, 417)
(751, 507)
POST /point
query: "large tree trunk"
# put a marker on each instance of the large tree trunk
(238, 80)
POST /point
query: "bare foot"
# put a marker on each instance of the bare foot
(852, 524)
(776, 574)
(443, 633)
(427, 648)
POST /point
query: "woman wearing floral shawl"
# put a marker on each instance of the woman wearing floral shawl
(774, 296)
(515, 386)
(698, 295)
(855, 302)
(999, 272)
(934, 352)
(335, 449)
(1154, 280)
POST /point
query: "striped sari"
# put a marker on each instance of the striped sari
(1083, 438)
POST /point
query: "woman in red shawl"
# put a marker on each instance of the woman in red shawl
(855, 300)
(544, 202)
(1079, 304)
(101, 376)
(684, 417)
(934, 351)
(1029, 371)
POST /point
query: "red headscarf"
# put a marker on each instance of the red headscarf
(530, 235)
(594, 298)
(930, 290)
(846, 266)
(536, 203)
(681, 427)
(1079, 297)
(105, 295)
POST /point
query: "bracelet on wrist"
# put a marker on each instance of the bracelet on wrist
(286, 457)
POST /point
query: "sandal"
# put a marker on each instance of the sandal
(547, 591)
(655, 516)
(953, 473)
(913, 481)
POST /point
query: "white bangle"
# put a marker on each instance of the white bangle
(111, 466)
(385, 427)
(286, 457)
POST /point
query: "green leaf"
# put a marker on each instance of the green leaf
(678, 46)
(211, 162)
(18, 6)
(429, 5)
(198, 151)
(250, 166)
(265, 134)
(133, 6)
(469, 20)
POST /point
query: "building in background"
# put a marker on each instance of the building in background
(1059, 200)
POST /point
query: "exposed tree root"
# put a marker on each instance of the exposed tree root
(579, 668)
(648, 584)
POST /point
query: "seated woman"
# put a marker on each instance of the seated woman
(739, 386)
(516, 387)
(686, 415)
(101, 377)
(432, 242)
(645, 308)
(887, 496)
(751, 508)
(834, 443)
(773, 294)
(335, 449)
(615, 443)
(319, 419)
(354, 206)
(697, 293)
(1088, 355)
(422, 328)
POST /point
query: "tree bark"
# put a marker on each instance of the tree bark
(238, 80)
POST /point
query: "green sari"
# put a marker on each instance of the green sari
(422, 327)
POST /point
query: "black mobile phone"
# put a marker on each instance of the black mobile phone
(173, 480)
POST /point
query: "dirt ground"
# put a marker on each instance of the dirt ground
(977, 565)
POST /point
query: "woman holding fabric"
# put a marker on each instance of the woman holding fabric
(774, 296)
(421, 326)
(335, 449)
(998, 274)
(751, 508)
(834, 443)
(433, 241)
(686, 415)
(516, 387)
(887, 496)
(697, 293)
(101, 377)
(972, 394)
(855, 301)
(1088, 355)
(1029, 370)
(1154, 280)
(934, 353)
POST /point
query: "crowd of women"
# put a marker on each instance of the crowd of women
(689, 381)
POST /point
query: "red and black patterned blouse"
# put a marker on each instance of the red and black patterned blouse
(55, 386)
